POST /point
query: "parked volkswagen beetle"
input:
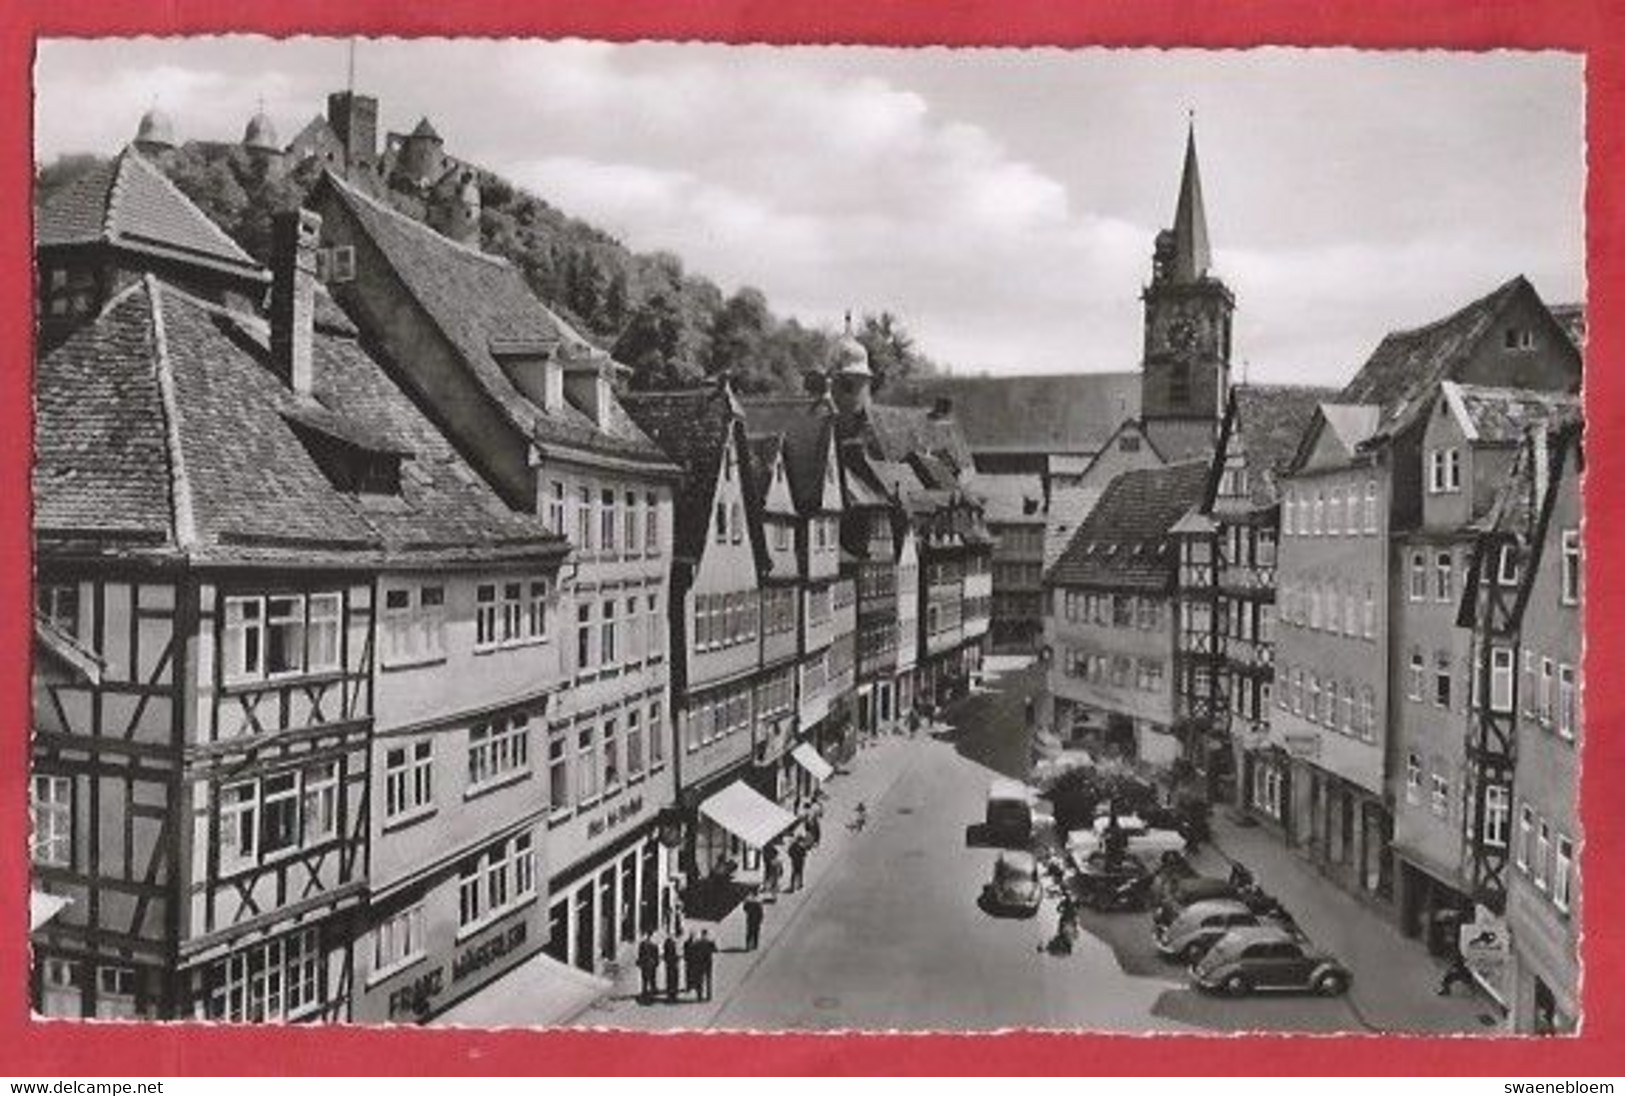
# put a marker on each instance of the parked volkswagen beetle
(1267, 958)
(1016, 886)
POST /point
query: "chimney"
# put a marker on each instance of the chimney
(294, 236)
(942, 407)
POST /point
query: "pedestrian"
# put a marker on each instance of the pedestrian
(1240, 877)
(691, 965)
(648, 966)
(771, 869)
(1457, 971)
(1032, 712)
(705, 954)
(753, 922)
(798, 863)
(669, 955)
(815, 829)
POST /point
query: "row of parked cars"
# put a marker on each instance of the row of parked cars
(1235, 938)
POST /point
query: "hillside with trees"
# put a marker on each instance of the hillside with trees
(672, 326)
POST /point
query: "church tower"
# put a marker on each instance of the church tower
(1185, 370)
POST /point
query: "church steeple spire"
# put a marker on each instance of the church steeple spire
(1192, 255)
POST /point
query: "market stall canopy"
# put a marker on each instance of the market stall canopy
(540, 992)
(808, 757)
(747, 814)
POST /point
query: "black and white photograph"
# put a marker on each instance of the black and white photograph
(758, 538)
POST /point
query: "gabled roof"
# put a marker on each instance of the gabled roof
(764, 453)
(1407, 364)
(1270, 420)
(1505, 415)
(478, 301)
(162, 427)
(1351, 424)
(1011, 499)
(1124, 541)
(692, 427)
(1069, 507)
(805, 426)
(1046, 413)
(129, 203)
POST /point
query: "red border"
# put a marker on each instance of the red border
(1591, 26)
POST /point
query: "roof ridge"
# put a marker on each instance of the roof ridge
(440, 238)
(1472, 305)
(180, 483)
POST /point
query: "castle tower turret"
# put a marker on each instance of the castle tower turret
(156, 133)
(853, 382)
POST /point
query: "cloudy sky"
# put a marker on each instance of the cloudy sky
(1002, 202)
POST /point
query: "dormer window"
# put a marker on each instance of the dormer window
(1129, 443)
(1519, 338)
(354, 458)
(336, 264)
(1444, 471)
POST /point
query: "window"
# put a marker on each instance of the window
(51, 813)
(59, 604)
(1413, 779)
(1368, 714)
(555, 508)
(414, 624)
(1526, 830)
(279, 813)
(1501, 679)
(244, 639)
(1497, 812)
(278, 980)
(606, 520)
(513, 612)
(399, 941)
(485, 616)
(657, 736)
(1565, 701)
(558, 770)
(408, 779)
(1509, 565)
(629, 521)
(1444, 471)
(655, 632)
(495, 882)
(1569, 590)
(584, 636)
(651, 523)
(1368, 622)
(584, 519)
(1519, 338)
(239, 825)
(498, 750)
(1334, 511)
(1414, 683)
(737, 524)
(1562, 873)
(1439, 802)
(1320, 514)
(1313, 708)
(1543, 855)
(1443, 568)
(586, 765)
(319, 802)
(1441, 679)
(1371, 506)
(721, 524)
(1419, 576)
(284, 635)
(606, 634)
(536, 609)
(634, 743)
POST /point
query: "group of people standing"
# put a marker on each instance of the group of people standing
(687, 962)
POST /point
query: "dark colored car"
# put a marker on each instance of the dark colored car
(1015, 884)
(1265, 958)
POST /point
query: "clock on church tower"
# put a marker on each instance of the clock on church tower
(1185, 372)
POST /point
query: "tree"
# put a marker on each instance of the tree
(737, 332)
(652, 344)
(892, 355)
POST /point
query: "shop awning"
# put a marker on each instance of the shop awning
(808, 757)
(540, 992)
(42, 907)
(747, 814)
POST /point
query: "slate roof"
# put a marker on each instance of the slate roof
(1571, 318)
(129, 203)
(1068, 508)
(479, 300)
(1407, 364)
(804, 425)
(1006, 498)
(162, 424)
(1124, 541)
(1505, 415)
(1271, 420)
(692, 428)
(898, 433)
(1059, 413)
